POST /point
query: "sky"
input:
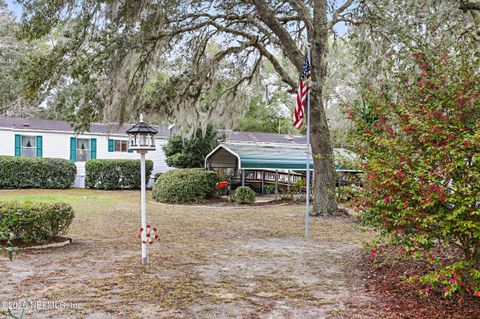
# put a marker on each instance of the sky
(15, 8)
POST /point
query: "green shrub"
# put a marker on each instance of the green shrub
(185, 185)
(156, 176)
(34, 222)
(243, 195)
(347, 194)
(115, 173)
(269, 189)
(32, 172)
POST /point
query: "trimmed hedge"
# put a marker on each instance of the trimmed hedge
(243, 195)
(34, 222)
(185, 185)
(33, 172)
(115, 173)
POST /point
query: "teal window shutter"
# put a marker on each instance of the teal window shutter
(18, 143)
(39, 146)
(73, 149)
(111, 144)
(93, 148)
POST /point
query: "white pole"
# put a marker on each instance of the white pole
(144, 209)
(307, 210)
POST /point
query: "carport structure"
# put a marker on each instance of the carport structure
(264, 157)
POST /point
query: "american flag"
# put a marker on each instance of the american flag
(302, 92)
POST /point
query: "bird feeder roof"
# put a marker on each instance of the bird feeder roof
(142, 127)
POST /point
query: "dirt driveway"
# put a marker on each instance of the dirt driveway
(209, 263)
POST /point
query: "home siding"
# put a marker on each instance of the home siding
(57, 145)
(7, 143)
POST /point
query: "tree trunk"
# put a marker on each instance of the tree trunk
(324, 202)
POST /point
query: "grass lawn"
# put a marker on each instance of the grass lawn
(209, 262)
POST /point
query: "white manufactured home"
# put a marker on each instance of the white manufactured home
(56, 139)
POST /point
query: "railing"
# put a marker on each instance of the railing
(269, 177)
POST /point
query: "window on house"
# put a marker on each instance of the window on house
(29, 146)
(121, 146)
(117, 145)
(83, 149)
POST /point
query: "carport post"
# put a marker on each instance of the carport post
(263, 180)
(288, 181)
(276, 184)
(312, 179)
(243, 177)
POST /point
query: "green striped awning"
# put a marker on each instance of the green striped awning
(265, 156)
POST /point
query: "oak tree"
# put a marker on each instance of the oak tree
(121, 45)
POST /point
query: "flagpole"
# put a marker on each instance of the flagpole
(307, 199)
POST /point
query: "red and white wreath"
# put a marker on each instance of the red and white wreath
(150, 234)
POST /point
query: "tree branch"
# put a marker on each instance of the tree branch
(290, 48)
(339, 11)
(254, 41)
(303, 12)
(469, 5)
(247, 77)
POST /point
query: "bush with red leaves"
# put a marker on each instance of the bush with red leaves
(419, 142)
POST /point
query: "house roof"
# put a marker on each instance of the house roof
(267, 156)
(63, 126)
(102, 128)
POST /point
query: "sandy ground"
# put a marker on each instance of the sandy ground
(208, 263)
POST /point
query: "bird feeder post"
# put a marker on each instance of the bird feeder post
(141, 138)
(143, 187)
